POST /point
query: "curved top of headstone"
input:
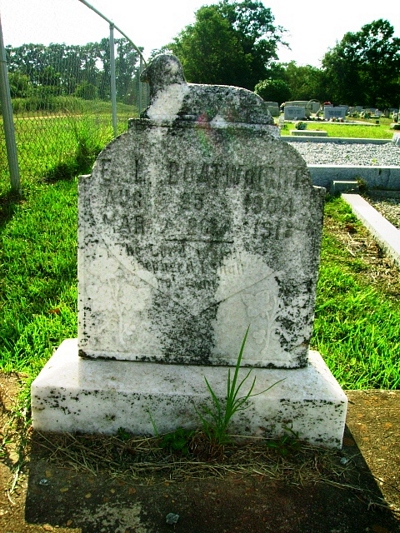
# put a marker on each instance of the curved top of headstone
(172, 98)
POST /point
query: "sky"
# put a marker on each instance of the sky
(312, 27)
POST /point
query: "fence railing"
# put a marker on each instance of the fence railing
(66, 95)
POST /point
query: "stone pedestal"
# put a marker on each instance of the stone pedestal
(73, 394)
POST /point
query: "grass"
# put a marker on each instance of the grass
(366, 130)
(48, 146)
(357, 325)
(216, 419)
(37, 275)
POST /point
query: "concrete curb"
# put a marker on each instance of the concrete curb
(373, 177)
(387, 235)
(341, 140)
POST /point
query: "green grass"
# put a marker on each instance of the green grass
(368, 130)
(37, 275)
(357, 324)
(50, 145)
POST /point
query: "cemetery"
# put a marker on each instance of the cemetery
(231, 369)
(195, 245)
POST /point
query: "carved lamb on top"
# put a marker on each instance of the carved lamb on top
(171, 97)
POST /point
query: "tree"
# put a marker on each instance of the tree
(273, 90)
(305, 82)
(230, 43)
(86, 91)
(19, 85)
(362, 69)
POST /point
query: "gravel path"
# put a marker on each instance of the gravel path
(341, 153)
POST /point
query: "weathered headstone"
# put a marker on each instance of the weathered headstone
(188, 235)
(195, 224)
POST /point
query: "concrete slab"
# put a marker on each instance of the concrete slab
(350, 186)
(387, 235)
(374, 177)
(309, 133)
(72, 394)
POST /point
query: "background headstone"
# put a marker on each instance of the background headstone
(294, 112)
(334, 112)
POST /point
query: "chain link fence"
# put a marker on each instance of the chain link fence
(61, 100)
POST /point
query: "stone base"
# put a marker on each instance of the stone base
(92, 396)
(349, 186)
(309, 133)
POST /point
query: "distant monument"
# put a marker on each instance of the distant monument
(335, 112)
(195, 224)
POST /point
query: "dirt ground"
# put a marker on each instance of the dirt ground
(50, 486)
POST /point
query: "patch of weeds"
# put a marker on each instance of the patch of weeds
(288, 444)
(215, 420)
(177, 441)
(88, 144)
(123, 434)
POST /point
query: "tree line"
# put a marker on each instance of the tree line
(230, 43)
(38, 71)
(236, 43)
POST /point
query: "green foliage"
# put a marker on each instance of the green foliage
(287, 444)
(357, 326)
(209, 50)
(39, 71)
(273, 90)
(177, 441)
(86, 90)
(19, 85)
(230, 43)
(300, 125)
(305, 82)
(123, 434)
(216, 419)
(362, 69)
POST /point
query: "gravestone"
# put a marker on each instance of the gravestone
(292, 112)
(337, 112)
(193, 226)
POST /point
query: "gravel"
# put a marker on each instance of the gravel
(341, 153)
(357, 154)
(388, 207)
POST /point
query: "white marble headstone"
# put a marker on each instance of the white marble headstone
(196, 224)
(191, 233)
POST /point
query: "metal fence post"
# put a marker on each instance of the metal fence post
(113, 82)
(112, 26)
(7, 112)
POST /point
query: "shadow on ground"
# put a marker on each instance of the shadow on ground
(8, 203)
(91, 504)
(362, 496)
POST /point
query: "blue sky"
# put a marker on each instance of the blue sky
(313, 27)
